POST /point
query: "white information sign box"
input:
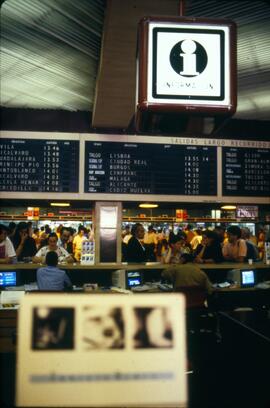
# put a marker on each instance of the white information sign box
(187, 64)
(102, 351)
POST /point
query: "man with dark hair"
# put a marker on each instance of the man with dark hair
(50, 277)
(11, 229)
(64, 240)
(235, 249)
(135, 249)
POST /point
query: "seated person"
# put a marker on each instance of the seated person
(62, 254)
(211, 250)
(50, 277)
(177, 248)
(135, 251)
(235, 249)
(186, 275)
(7, 251)
(24, 245)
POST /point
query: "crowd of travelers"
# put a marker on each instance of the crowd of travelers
(23, 243)
(20, 242)
(233, 244)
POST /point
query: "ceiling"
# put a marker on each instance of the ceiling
(50, 52)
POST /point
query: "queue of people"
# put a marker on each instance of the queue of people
(19, 242)
(22, 243)
(198, 246)
(181, 251)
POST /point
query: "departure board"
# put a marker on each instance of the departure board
(148, 168)
(39, 165)
(246, 172)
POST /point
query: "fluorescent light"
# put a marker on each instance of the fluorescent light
(60, 204)
(228, 207)
(148, 205)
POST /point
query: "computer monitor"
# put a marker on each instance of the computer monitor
(247, 278)
(8, 278)
(134, 279)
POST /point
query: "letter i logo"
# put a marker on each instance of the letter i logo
(188, 58)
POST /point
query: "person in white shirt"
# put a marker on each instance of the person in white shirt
(7, 251)
(235, 249)
(63, 255)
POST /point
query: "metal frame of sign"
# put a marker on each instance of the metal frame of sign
(159, 93)
(185, 141)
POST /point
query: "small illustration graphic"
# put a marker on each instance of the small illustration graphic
(152, 328)
(53, 328)
(103, 328)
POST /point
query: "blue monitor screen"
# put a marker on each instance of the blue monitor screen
(134, 281)
(247, 278)
(134, 278)
(8, 279)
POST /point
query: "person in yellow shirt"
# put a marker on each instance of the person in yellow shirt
(77, 243)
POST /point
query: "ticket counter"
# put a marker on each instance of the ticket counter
(101, 273)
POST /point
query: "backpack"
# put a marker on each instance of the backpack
(252, 252)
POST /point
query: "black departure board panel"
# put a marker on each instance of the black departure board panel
(39, 165)
(146, 168)
(246, 172)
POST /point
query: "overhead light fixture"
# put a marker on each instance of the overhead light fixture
(60, 204)
(148, 205)
(228, 207)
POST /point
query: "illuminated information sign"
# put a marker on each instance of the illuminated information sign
(144, 168)
(39, 165)
(246, 172)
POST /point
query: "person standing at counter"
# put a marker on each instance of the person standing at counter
(211, 250)
(150, 243)
(63, 255)
(135, 249)
(177, 249)
(189, 233)
(235, 249)
(24, 245)
(197, 239)
(65, 240)
(50, 277)
(220, 231)
(77, 242)
(7, 251)
(11, 229)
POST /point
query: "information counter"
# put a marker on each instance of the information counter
(131, 266)
(101, 273)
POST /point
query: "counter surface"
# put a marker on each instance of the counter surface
(130, 266)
